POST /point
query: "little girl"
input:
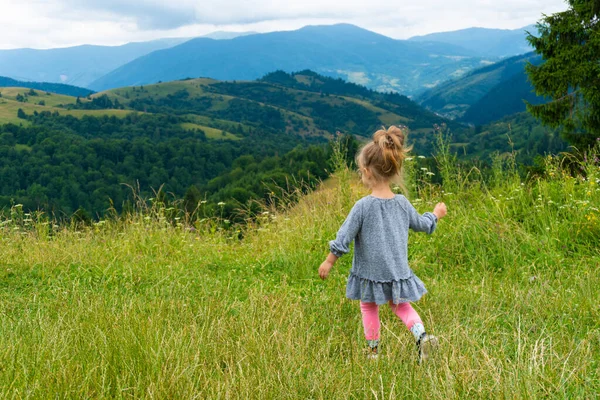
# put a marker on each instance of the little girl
(379, 225)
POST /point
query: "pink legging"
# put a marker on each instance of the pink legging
(370, 317)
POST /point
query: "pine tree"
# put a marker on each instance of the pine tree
(569, 77)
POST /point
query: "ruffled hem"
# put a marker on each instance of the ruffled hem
(400, 291)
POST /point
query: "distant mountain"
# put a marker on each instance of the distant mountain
(223, 35)
(484, 41)
(506, 98)
(486, 94)
(78, 65)
(346, 51)
(47, 87)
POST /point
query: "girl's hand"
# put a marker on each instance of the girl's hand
(325, 268)
(440, 210)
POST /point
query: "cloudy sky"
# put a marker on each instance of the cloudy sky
(61, 23)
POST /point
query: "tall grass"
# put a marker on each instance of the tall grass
(140, 307)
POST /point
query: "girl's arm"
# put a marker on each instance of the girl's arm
(426, 222)
(327, 265)
(345, 236)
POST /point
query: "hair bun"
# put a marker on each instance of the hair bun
(391, 138)
(384, 156)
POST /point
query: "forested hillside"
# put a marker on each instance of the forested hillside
(519, 134)
(203, 139)
(486, 94)
(213, 141)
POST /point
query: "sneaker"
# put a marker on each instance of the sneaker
(426, 345)
(372, 353)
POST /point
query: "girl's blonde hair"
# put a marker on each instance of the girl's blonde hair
(385, 155)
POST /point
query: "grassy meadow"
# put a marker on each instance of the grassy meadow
(211, 133)
(9, 106)
(140, 307)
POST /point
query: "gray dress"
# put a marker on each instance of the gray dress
(379, 228)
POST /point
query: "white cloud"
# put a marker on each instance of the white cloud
(59, 23)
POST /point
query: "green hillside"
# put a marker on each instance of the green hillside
(303, 102)
(147, 306)
(35, 101)
(507, 78)
(519, 134)
(504, 99)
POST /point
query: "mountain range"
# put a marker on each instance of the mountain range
(484, 41)
(339, 50)
(346, 51)
(77, 66)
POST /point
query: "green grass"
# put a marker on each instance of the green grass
(9, 107)
(386, 117)
(211, 133)
(138, 307)
(51, 99)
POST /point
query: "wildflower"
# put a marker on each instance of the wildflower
(423, 169)
(203, 202)
(265, 213)
(220, 204)
(421, 157)
(429, 173)
(408, 159)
